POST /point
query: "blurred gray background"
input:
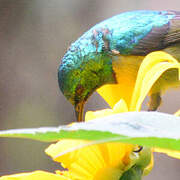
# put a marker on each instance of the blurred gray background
(34, 35)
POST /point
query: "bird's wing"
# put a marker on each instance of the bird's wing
(160, 37)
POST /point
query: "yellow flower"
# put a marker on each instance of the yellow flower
(99, 161)
(108, 160)
(102, 161)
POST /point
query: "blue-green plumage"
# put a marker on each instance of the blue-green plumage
(87, 64)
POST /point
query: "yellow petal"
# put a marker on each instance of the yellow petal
(36, 175)
(152, 67)
(146, 84)
(177, 113)
(60, 151)
(118, 153)
(174, 154)
(125, 68)
(152, 59)
(112, 93)
(82, 162)
(98, 114)
(119, 107)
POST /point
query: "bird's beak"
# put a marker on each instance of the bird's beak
(79, 107)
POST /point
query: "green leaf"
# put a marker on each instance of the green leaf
(152, 129)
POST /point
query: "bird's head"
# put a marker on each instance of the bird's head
(81, 73)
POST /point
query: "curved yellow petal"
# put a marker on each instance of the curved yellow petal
(36, 175)
(149, 72)
(147, 83)
(152, 59)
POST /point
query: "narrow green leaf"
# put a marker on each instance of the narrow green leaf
(150, 129)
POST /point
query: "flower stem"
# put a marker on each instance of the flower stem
(134, 173)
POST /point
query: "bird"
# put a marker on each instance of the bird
(116, 46)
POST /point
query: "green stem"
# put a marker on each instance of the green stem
(134, 173)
